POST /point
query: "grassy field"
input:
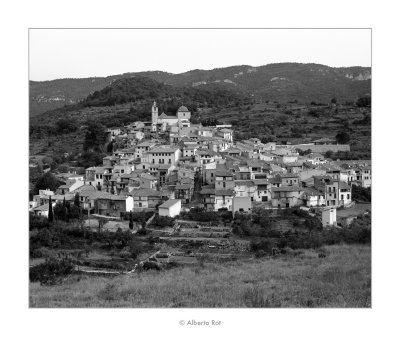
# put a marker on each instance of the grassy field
(342, 279)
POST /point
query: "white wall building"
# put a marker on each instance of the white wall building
(171, 208)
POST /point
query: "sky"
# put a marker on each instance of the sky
(79, 53)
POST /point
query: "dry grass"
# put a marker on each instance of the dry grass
(342, 279)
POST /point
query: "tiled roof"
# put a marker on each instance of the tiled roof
(289, 175)
(44, 207)
(286, 189)
(147, 176)
(167, 149)
(313, 191)
(182, 108)
(169, 203)
(343, 185)
(245, 182)
(223, 173)
(207, 191)
(100, 195)
(275, 180)
(83, 188)
(145, 192)
(60, 197)
(164, 116)
(183, 187)
(261, 181)
(161, 166)
(224, 192)
(294, 164)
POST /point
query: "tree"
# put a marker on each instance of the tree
(76, 200)
(46, 181)
(51, 218)
(110, 147)
(364, 101)
(130, 220)
(312, 224)
(343, 137)
(74, 212)
(95, 135)
(65, 211)
(66, 125)
(361, 193)
(59, 212)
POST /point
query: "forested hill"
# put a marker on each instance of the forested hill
(281, 82)
(128, 99)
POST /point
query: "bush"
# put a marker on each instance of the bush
(162, 221)
(46, 181)
(200, 214)
(364, 101)
(361, 193)
(265, 245)
(51, 271)
(38, 222)
(142, 231)
(135, 248)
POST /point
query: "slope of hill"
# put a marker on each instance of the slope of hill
(280, 81)
(343, 279)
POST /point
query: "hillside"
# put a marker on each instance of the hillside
(129, 99)
(281, 81)
(342, 279)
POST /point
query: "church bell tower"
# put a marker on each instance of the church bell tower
(154, 113)
(154, 116)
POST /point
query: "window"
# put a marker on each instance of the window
(348, 196)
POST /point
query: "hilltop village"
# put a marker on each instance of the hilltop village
(169, 165)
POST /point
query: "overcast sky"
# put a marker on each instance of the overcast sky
(72, 53)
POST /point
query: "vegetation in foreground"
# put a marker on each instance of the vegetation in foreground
(300, 279)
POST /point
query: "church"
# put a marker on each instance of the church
(161, 122)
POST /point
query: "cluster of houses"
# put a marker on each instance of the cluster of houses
(169, 163)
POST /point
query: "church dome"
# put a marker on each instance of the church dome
(183, 109)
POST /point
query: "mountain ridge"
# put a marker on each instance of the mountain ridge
(303, 82)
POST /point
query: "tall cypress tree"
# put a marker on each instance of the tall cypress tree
(51, 217)
(76, 200)
(130, 220)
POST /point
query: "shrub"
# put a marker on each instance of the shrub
(361, 193)
(162, 221)
(200, 214)
(51, 271)
(265, 245)
(38, 222)
(142, 231)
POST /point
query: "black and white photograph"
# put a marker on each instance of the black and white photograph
(236, 185)
(180, 168)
